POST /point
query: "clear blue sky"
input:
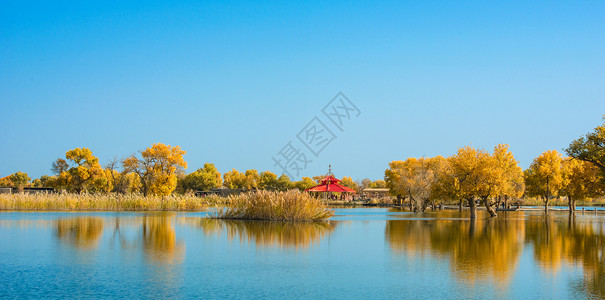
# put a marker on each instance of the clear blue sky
(232, 83)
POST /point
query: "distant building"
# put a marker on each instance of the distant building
(33, 190)
(375, 192)
(28, 190)
(220, 192)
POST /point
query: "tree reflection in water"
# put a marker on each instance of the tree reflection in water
(269, 234)
(159, 239)
(81, 232)
(577, 241)
(489, 249)
(481, 250)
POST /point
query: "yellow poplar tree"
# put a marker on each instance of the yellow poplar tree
(348, 182)
(234, 179)
(19, 180)
(268, 180)
(581, 180)
(469, 170)
(283, 182)
(305, 183)
(157, 168)
(79, 172)
(251, 179)
(544, 177)
(446, 185)
(392, 178)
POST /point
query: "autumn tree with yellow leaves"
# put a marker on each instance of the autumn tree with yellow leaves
(80, 171)
(17, 180)
(251, 179)
(470, 174)
(348, 182)
(470, 169)
(544, 177)
(283, 182)
(157, 168)
(234, 179)
(202, 179)
(414, 179)
(304, 183)
(446, 185)
(268, 181)
(510, 181)
(581, 180)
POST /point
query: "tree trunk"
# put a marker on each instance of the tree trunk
(473, 208)
(489, 207)
(572, 207)
(460, 205)
(546, 196)
(506, 205)
(399, 201)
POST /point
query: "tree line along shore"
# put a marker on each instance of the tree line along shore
(471, 177)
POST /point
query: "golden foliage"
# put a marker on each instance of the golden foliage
(469, 174)
(80, 172)
(157, 168)
(544, 177)
(581, 179)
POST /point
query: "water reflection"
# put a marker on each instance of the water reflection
(157, 236)
(490, 249)
(573, 242)
(159, 239)
(488, 256)
(478, 251)
(269, 234)
(80, 232)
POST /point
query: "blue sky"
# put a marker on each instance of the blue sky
(232, 83)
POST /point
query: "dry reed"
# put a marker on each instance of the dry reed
(274, 206)
(102, 202)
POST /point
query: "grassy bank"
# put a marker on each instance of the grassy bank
(102, 202)
(274, 206)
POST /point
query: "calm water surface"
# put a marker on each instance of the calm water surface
(361, 253)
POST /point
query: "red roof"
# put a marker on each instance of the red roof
(334, 187)
(330, 184)
(329, 179)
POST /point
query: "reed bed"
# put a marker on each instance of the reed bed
(100, 202)
(274, 206)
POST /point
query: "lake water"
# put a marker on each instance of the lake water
(360, 253)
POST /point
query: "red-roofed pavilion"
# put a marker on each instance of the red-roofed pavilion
(330, 184)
